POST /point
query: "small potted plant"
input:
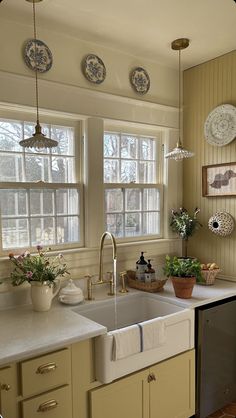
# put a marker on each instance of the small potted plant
(184, 272)
(42, 272)
(185, 225)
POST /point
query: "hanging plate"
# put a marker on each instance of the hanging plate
(140, 80)
(43, 59)
(220, 125)
(94, 69)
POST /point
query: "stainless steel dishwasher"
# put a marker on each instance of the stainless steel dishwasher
(216, 356)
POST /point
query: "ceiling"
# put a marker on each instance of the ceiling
(143, 28)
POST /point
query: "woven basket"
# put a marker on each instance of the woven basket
(209, 276)
(152, 287)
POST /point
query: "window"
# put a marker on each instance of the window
(39, 193)
(132, 196)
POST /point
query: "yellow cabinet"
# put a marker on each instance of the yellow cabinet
(53, 404)
(165, 390)
(172, 391)
(45, 372)
(126, 398)
(8, 392)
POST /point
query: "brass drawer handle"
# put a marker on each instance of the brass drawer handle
(47, 406)
(46, 368)
(5, 387)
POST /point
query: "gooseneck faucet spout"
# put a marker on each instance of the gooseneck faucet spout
(111, 236)
(101, 280)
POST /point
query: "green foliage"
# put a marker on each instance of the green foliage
(183, 223)
(37, 268)
(182, 267)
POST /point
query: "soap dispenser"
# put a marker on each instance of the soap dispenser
(141, 265)
(150, 275)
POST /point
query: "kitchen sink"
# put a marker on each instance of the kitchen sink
(127, 310)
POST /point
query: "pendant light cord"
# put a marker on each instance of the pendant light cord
(180, 144)
(35, 61)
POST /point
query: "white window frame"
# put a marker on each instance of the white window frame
(78, 148)
(157, 135)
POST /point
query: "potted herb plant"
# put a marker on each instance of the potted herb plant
(184, 272)
(42, 272)
(185, 225)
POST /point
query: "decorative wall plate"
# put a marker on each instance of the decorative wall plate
(43, 59)
(140, 80)
(94, 69)
(220, 125)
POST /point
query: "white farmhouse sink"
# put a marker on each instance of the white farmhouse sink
(130, 309)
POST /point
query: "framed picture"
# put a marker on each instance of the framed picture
(219, 180)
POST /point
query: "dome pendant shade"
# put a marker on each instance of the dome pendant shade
(38, 140)
(179, 153)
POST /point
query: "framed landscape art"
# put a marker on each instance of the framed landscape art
(219, 180)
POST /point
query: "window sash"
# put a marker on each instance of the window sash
(142, 186)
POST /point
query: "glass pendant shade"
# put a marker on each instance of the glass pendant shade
(38, 140)
(179, 153)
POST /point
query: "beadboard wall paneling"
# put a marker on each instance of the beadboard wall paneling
(205, 87)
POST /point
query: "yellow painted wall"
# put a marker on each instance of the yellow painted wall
(205, 87)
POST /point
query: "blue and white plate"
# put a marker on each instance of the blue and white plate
(37, 55)
(94, 69)
(140, 80)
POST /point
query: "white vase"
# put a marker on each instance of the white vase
(42, 295)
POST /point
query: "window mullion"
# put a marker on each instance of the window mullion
(29, 217)
(55, 215)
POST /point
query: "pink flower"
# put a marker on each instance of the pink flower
(29, 274)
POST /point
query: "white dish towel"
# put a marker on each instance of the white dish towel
(153, 333)
(126, 342)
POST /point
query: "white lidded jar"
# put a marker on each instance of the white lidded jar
(71, 294)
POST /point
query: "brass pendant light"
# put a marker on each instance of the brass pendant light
(179, 153)
(38, 140)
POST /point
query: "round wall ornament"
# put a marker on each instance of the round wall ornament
(94, 69)
(37, 55)
(140, 80)
(221, 223)
(220, 125)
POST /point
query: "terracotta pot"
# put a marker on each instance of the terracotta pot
(183, 286)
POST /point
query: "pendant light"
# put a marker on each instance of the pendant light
(179, 153)
(38, 140)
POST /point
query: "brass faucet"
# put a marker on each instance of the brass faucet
(101, 280)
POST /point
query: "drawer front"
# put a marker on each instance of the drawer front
(54, 404)
(45, 372)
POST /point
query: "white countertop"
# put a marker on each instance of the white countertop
(25, 333)
(202, 294)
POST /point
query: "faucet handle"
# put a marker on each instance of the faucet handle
(123, 275)
(88, 277)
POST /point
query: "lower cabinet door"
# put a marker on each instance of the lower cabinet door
(8, 392)
(54, 404)
(125, 398)
(172, 389)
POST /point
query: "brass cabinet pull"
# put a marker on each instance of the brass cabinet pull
(47, 406)
(5, 387)
(46, 368)
(151, 377)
